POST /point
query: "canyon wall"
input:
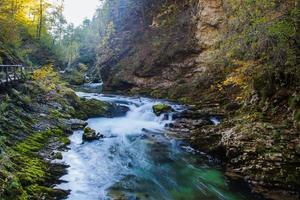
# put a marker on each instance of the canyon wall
(233, 57)
(175, 48)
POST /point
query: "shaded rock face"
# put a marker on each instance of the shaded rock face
(180, 49)
(76, 124)
(264, 154)
(118, 110)
(157, 50)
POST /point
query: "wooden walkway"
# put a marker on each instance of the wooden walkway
(11, 74)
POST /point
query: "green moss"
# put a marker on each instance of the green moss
(158, 93)
(65, 140)
(62, 137)
(20, 99)
(76, 78)
(185, 100)
(3, 106)
(33, 170)
(14, 186)
(33, 143)
(13, 189)
(91, 108)
(55, 114)
(87, 129)
(41, 192)
(58, 155)
(261, 149)
(161, 108)
(24, 174)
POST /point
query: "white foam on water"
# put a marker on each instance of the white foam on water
(100, 164)
(215, 121)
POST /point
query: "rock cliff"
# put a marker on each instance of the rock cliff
(233, 57)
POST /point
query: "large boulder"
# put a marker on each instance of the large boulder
(161, 109)
(118, 110)
(88, 108)
(90, 134)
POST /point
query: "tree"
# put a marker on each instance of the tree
(57, 22)
(297, 29)
(25, 27)
(40, 24)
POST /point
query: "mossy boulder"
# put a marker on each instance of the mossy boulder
(90, 134)
(161, 109)
(57, 155)
(92, 108)
(86, 108)
(41, 192)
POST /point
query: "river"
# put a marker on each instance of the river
(139, 159)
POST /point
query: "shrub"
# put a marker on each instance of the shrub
(47, 77)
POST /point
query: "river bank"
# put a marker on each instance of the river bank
(263, 153)
(35, 122)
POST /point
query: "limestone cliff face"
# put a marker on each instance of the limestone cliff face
(167, 54)
(174, 48)
(165, 48)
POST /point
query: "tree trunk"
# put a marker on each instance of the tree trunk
(40, 24)
(297, 30)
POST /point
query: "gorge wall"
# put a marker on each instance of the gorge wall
(174, 48)
(239, 58)
(167, 52)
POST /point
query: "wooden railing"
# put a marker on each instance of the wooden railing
(10, 74)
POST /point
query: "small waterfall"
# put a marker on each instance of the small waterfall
(215, 120)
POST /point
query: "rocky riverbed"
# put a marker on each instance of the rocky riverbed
(262, 154)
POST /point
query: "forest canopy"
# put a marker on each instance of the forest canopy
(31, 31)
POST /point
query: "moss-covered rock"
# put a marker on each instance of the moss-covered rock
(38, 192)
(161, 109)
(90, 134)
(92, 108)
(57, 155)
(85, 108)
(23, 163)
(33, 124)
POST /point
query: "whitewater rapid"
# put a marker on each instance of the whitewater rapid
(137, 159)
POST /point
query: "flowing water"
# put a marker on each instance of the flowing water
(138, 159)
